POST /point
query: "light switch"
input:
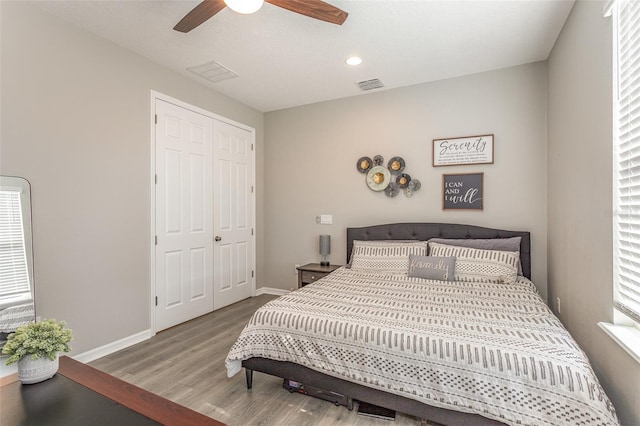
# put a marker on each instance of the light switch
(326, 219)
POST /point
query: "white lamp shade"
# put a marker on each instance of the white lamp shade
(244, 6)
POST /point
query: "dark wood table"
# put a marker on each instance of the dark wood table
(82, 395)
(312, 272)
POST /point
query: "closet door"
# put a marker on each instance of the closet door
(184, 214)
(234, 210)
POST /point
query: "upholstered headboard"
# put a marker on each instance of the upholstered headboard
(425, 231)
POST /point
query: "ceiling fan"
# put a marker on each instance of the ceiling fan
(316, 9)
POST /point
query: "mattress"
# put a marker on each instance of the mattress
(491, 349)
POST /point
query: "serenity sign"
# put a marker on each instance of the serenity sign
(462, 151)
(464, 191)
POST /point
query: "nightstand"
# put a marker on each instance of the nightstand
(313, 272)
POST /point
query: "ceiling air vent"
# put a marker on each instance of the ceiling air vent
(212, 71)
(370, 84)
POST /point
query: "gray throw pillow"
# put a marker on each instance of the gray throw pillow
(432, 268)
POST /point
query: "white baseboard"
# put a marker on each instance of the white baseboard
(271, 290)
(124, 343)
(7, 370)
(112, 347)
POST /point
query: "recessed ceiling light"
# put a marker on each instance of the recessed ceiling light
(353, 61)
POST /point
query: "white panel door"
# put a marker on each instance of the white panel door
(184, 207)
(233, 214)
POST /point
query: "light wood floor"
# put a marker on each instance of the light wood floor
(185, 364)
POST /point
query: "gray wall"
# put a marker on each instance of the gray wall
(75, 112)
(310, 163)
(580, 198)
(75, 123)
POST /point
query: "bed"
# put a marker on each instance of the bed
(455, 353)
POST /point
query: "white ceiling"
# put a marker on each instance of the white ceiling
(284, 59)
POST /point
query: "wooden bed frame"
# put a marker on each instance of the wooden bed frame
(354, 391)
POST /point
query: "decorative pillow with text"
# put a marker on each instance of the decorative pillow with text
(432, 268)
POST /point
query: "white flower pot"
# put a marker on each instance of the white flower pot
(35, 371)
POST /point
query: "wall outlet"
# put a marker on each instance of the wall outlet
(295, 268)
(558, 304)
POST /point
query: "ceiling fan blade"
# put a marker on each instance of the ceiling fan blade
(314, 9)
(199, 14)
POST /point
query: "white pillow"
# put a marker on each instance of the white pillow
(504, 244)
(387, 256)
(476, 265)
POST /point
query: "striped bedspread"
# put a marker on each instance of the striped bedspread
(490, 349)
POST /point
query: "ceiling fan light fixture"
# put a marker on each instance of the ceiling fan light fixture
(244, 6)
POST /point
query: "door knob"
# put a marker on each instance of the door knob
(218, 238)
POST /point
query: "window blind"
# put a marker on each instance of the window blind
(627, 158)
(14, 275)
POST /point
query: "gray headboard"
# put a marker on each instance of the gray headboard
(425, 231)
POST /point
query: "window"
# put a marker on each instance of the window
(14, 275)
(626, 179)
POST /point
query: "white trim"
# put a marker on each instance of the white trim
(112, 347)
(607, 11)
(7, 370)
(272, 291)
(91, 355)
(152, 213)
(624, 277)
(166, 98)
(157, 95)
(625, 336)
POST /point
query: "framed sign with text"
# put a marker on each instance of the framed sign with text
(463, 151)
(463, 191)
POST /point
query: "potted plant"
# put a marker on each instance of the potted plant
(35, 347)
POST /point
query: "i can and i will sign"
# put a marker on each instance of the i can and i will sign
(462, 191)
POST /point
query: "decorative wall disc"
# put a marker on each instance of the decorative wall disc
(392, 190)
(403, 180)
(364, 164)
(378, 178)
(396, 165)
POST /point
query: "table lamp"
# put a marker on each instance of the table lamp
(325, 248)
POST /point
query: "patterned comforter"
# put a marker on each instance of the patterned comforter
(490, 349)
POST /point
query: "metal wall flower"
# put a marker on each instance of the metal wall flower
(364, 164)
(378, 178)
(389, 179)
(396, 165)
(403, 180)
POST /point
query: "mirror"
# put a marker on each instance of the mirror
(17, 306)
